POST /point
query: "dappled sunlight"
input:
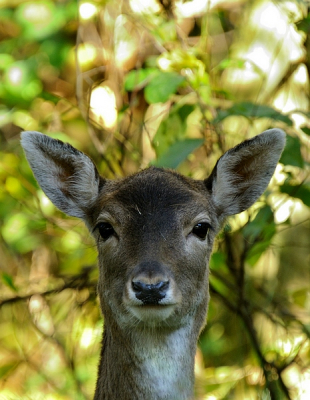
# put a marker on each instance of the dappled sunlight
(195, 8)
(41, 315)
(260, 57)
(144, 6)
(293, 97)
(274, 44)
(283, 210)
(90, 336)
(47, 206)
(87, 10)
(86, 53)
(36, 12)
(141, 83)
(15, 75)
(126, 43)
(153, 118)
(24, 120)
(299, 381)
(103, 106)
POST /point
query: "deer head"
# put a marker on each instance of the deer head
(154, 232)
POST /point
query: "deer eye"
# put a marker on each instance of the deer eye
(106, 230)
(201, 229)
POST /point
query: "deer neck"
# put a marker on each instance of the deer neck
(147, 364)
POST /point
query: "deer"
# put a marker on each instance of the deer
(154, 232)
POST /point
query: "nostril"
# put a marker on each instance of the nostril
(150, 293)
(147, 287)
(162, 286)
(137, 286)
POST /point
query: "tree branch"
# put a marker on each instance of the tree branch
(77, 282)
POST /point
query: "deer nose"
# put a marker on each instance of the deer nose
(150, 293)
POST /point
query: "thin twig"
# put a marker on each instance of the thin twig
(77, 282)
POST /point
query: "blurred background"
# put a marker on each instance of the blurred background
(173, 84)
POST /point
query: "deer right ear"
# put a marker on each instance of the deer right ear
(242, 174)
(67, 176)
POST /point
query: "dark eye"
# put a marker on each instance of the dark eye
(201, 229)
(106, 230)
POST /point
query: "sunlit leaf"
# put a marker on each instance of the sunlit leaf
(300, 296)
(177, 153)
(39, 19)
(20, 80)
(230, 62)
(5, 116)
(139, 78)
(162, 86)
(14, 187)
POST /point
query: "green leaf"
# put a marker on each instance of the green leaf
(258, 226)
(230, 62)
(177, 153)
(305, 130)
(57, 49)
(251, 110)
(301, 192)
(139, 78)
(291, 154)
(172, 129)
(169, 131)
(8, 281)
(39, 19)
(259, 232)
(261, 245)
(5, 369)
(304, 24)
(16, 232)
(5, 61)
(162, 86)
(184, 111)
(20, 80)
(217, 261)
(300, 296)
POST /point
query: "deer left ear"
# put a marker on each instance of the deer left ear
(242, 174)
(67, 176)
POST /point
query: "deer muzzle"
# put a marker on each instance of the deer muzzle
(151, 292)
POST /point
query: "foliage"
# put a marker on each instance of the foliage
(135, 83)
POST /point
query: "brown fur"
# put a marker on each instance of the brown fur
(153, 282)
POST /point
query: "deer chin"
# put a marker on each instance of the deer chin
(152, 313)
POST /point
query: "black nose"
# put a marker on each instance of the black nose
(150, 293)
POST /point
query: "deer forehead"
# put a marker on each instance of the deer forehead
(154, 197)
